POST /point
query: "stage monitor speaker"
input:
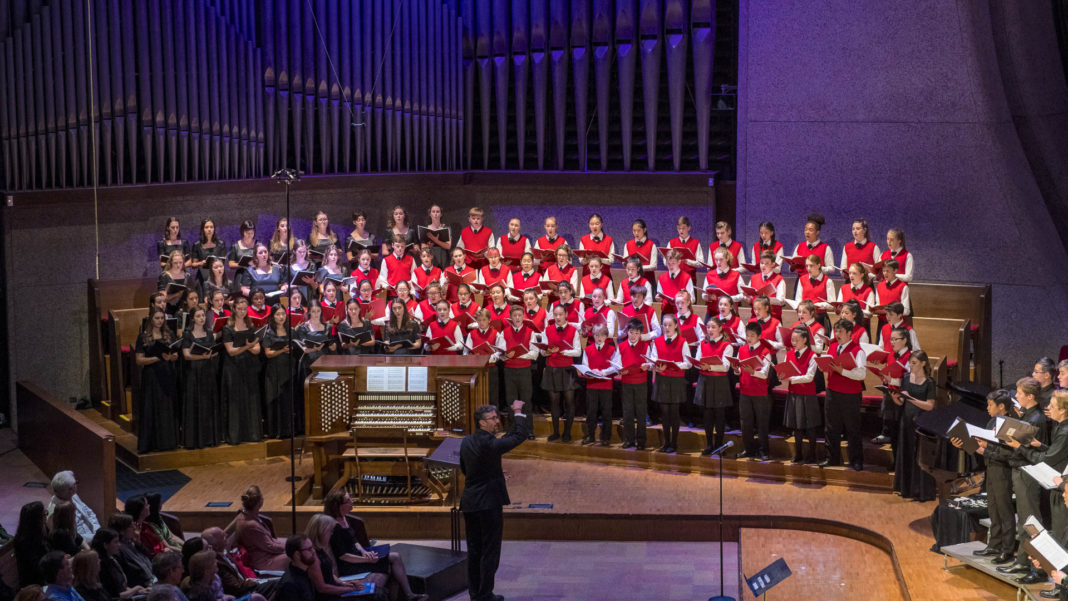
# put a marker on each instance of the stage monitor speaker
(440, 573)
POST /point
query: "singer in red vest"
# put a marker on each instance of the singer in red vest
(768, 243)
(895, 242)
(634, 385)
(754, 404)
(684, 240)
(475, 237)
(596, 279)
(768, 276)
(861, 249)
(550, 241)
(812, 244)
(802, 406)
(519, 355)
(456, 274)
(898, 343)
(396, 267)
(641, 248)
(638, 309)
(672, 282)
(723, 277)
(446, 328)
(562, 270)
(525, 277)
(602, 359)
(599, 241)
(514, 245)
(633, 267)
(670, 383)
(842, 406)
(723, 240)
(558, 379)
(713, 392)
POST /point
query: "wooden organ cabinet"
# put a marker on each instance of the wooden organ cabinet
(428, 397)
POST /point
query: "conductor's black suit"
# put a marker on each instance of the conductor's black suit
(485, 494)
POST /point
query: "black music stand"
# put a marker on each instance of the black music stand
(763, 580)
(448, 455)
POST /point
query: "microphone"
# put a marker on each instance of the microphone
(726, 445)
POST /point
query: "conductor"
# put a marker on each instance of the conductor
(485, 494)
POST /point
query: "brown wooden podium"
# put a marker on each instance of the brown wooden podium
(383, 391)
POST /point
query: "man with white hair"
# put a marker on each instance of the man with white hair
(65, 488)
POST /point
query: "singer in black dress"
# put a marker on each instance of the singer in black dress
(355, 334)
(909, 480)
(156, 426)
(201, 389)
(277, 375)
(241, 378)
(207, 247)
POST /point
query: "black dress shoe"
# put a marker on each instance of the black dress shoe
(553, 437)
(706, 452)
(628, 445)
(1033, 578)
(764, 457)
(1003, 559)
(565, 438)
(639, 447)
(742, 455)
(859, 467)
(1014, 568)
(985, 552)
(669, 449)
(605, 443)
(1053, 593)
(797, 460)
(829, 463)
(587, 440)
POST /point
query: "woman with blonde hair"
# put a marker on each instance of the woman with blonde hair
(319, 530)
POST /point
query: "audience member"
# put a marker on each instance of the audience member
(157, 526)
(86, 567)
(296, 583)
(107, 545)
(30, 543)
(327, 585)
(59, 577)
(233, 581)
(265, 552)
(136, 564)
(34, 592)
(203, 581)
(63, 534)
(65, 488)
(167, 568)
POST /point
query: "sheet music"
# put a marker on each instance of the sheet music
(1048, 548)
(1043, 474)
(376, 379)
(396, 378)
(417, 378)
(977, 432)
(326, 376)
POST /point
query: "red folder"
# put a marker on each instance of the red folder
(797, 264)
(689, 335)
(533, 326)
(687, 254)
(787, 370)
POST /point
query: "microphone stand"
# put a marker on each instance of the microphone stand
(719, 452)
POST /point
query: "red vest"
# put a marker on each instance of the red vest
(890, 293)
(475, 241)
(864, 254)
(491, 277)
(775, 249)
(768, 329)
(727, 284)
(605, 245)
(399, 269)
(645, 251)
(539, 317)
(471, 309)
(901, 257)
(633, 355)
(428, 311)
(670, 286)
(690, 322)
(734, 248)
(572, 308)
(521, 282)
(439, 331)
(512, 338)
(732, 324)
(513, 250)
(670, 352)
(710, 350)
(599, 359)
(836, 382)
(422, 278)
(554, 337)
(691, 243)
(863, 294)
(884, 334)
(501, 314)
(555, 274)
(626, 284)
(816, 293)
(477, 337)
(544, 244)
(450, 294)
(603, 282)
(590, 312)
(371, 276)
(646, 310)
(813, 329)
(747, 384)
(820, 251)
(808, 388)
(758, 281)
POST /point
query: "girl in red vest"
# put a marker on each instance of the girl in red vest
(812, 244)
(494, 272)
(425, 274)
(526, 277)
(644, 313)
(457, 273)
(433, 295)
(892, 290)
(562, 270)
(464, 304)
(558, 379)
(514, 245)
(817, 287)
(723, 277)
(802, 406)
(597, 240)
(443, 327)
(897, 342)
(534, 312)
(723, 240)
(713, 393)
(550, 241)
(672, 282)
(728, 318)
(895, 241)
(768, 276)
(859, 288)
(851, 311)
(596, 279)
(754, 404)
(861, 249)
(670, 383)
(768, 243)
(479, 334)
(806, 318)
(641, 248)
(634, 385)
(601, 359)
(684, 240)
(363, 270)
(633, 267)
(842, 405)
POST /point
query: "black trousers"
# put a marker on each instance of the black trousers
(669, 421)
(1002, 512)
(842, 417)
(635, 401)
(755, 411)
(715, 419)
(484, 532)
(599, 401)
(518, 387)
(1028, 503)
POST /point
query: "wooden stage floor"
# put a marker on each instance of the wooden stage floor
(837, 567)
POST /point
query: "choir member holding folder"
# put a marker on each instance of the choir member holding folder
(519, 354)
(634, 385)
(767, 243)
(600, 362)
(216, 280)
(713, 393)
(277, 374)
(242, 252)
(513, 246)
(209, 246)
(172, 241)
(321, 237)
(669, 356)
(201, 383)
(241, 377)
(724, 240)
(817, 287)
(596, 279)
(895, 241)
(813, 246)
(359, 239)
(301, 271)
(560, 345)
(844, 387)
(562, 270)
(174, 282)
(425, 274)
(915, 397)
(802, 413)
(768, 277)
(475, 239)
(265, 275)
(1001, 539)
(396, 267)
(754, 405)
(436, 236)
(689, 243)
(1055, 454)
(402, 333)
(861, 249)
(355, 333)
(723, 281)
(397, 225)
(897, 349)
(156, 352)
(484, 340)
(1027, 490)
(672, 282)
(642, 248)
(633, 267)
(597, 241)
(281, 244)
(443, 335)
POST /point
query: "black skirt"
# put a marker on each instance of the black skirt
(713, 392)
(558, 379)
(802, 412)
(669, 390)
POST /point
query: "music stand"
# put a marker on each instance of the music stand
(448, 455)
(763, 580)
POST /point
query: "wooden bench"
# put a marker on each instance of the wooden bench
(123, 327)
(104, 296)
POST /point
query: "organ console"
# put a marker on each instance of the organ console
(405, 405)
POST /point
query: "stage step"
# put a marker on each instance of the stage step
(440, 573)
(963, 554)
